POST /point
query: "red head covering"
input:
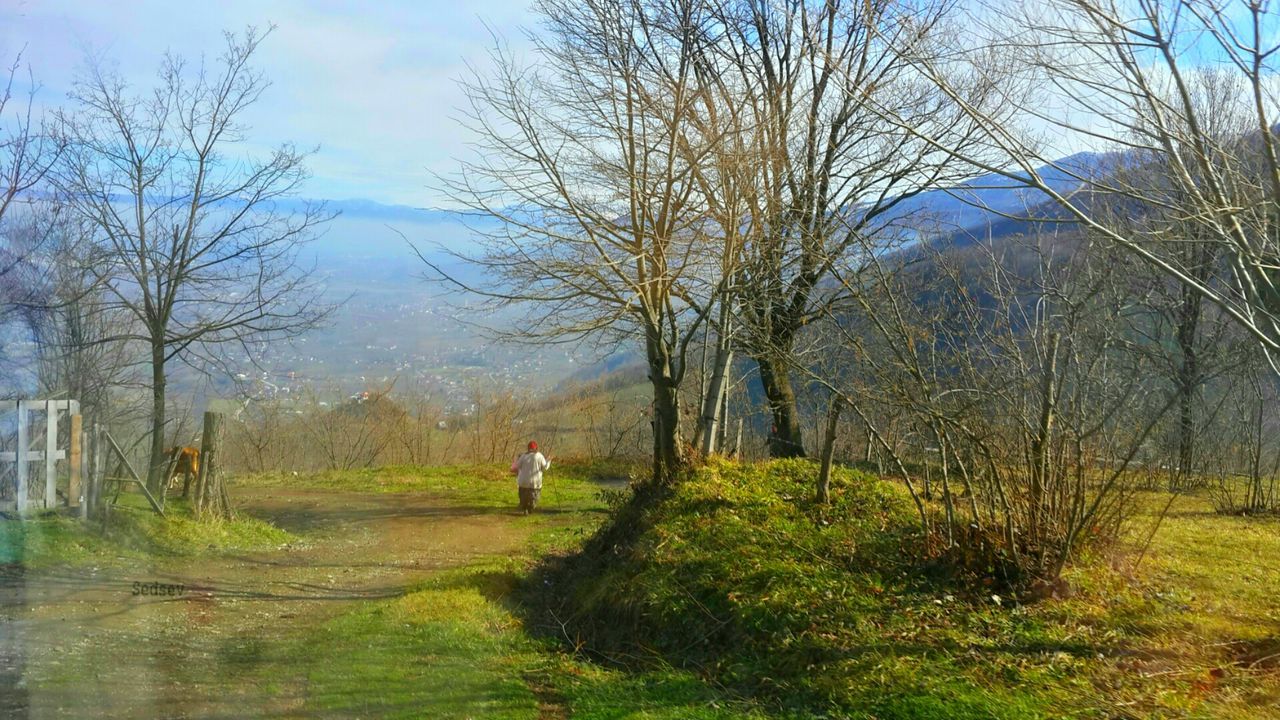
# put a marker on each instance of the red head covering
(533, 446)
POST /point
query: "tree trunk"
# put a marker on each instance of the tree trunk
(667, 455)
(1042, 442)
(723, 441)
(1188, 382)
(713, 400)
(784, 437)
(157, 463)
(828, 450)
(1186, 431)
(699, 427)
(211, 493)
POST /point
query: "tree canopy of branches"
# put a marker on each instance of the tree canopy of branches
(192, 242)
(830, 172)
(589, 159)
(1185, 88)
(666, 165)
(27, 152)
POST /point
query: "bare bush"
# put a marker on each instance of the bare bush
(1245, 479)
(265, 435)
(352, 433)
(1008, 371)
(424, 433)
(495, 424)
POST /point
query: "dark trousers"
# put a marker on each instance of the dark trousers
(529, 498)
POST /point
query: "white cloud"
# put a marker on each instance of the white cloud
(374, 84)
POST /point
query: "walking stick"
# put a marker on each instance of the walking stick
(555, 437)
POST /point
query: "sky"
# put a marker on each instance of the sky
(373, 84)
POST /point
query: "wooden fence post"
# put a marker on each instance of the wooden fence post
(75, 463)
(86, 473)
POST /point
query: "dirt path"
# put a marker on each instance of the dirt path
(153, 655)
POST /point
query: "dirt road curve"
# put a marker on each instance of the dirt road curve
(150, 646)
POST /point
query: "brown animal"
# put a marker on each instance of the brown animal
(185, 460)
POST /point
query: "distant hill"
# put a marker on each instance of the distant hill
(391, 323)
(994, 201)
(370, 209)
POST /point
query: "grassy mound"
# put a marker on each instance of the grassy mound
(826, 611)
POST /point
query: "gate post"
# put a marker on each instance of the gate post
(75, 464)
(51, 455)
(95, 472)
(20, 456)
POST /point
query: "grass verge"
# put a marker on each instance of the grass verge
(453, 649)
(133, 532)
(453, 646)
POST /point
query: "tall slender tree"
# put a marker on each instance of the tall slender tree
(193, 243)
(27, 152)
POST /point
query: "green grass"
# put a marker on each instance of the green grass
(735, 596)
(453, 649)
(444, 651)
(1204, 607)
(132, 532)
(457, 646)
(825, 610)
(567, 484)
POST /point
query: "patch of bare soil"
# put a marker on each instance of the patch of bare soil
(141, 642)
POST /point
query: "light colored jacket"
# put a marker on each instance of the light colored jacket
(529, 468)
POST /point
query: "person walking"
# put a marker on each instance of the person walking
(528, 469)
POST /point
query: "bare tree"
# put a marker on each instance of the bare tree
(1245, 479)
(27, 152)
(830, 171)
(586, 160)
(1196, 348)
(425, 416)
(194, 244)
(495, 421)
(604, 418)
(75, 339)
(1131, 77)
(27, 245)
(265, 436)
(353, 433)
